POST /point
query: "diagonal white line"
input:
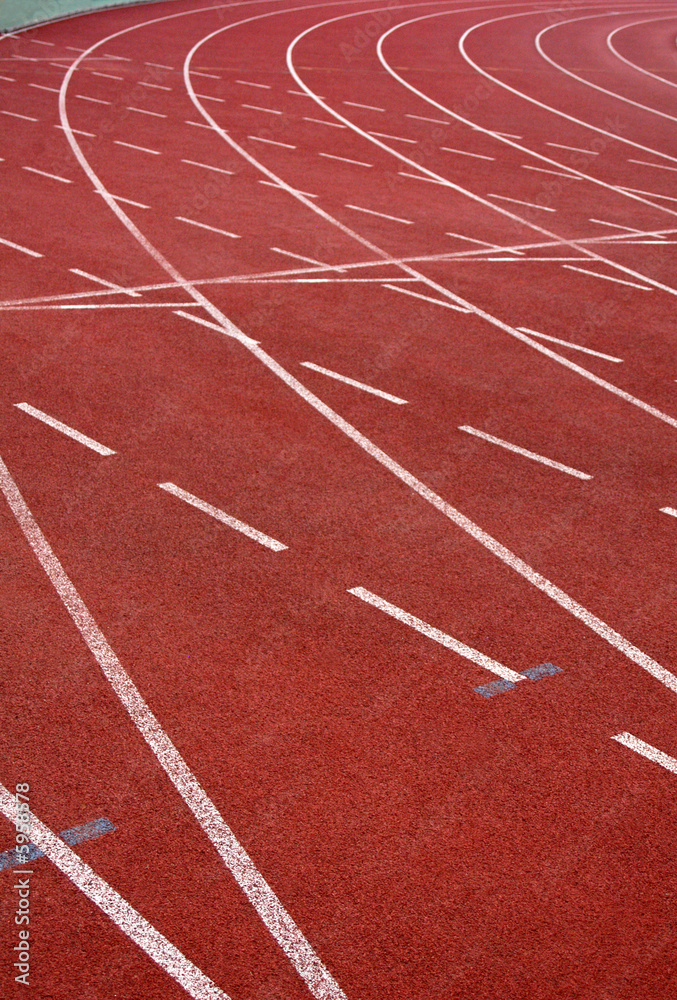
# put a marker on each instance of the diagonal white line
(607, 277)
(353, 382)
(65, 429)
(646, 750)
(523, 451)
(220, 515)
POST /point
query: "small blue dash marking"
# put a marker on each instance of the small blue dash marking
(496, 687)
(77, 835)
(542, 670)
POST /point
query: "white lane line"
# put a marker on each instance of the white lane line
(40, 86)
(125, 201)
(483, 243)
(199, 124)
(433, 633)
(606, 277)
(669, 510)
(626, 229)
(17, 246)
(420, 177)
(527, 454)
(141, 149)
(420, 118)
(319, 121)
(226, 331)
(107, 76)
(554, 173)
(344, 159)
(72, 48)
(255, 107)
(77, 131)
(8, 79)
(247, 83)
(567, 343)
(123, 915)
(397, 138)
(368, 107)
(508, 135)
(574, 149)
(94, 100)
(102, 281)
(35, 41)
(153, 86)
(646, 750)
(658, 166)
(210, 76)
(279, 187)
(142, 111)
(298, 256)
(14, 114)
(353, 382)
(212, 229)
(517, 201)
(270, 142)
(426, 298)
(65, 429)
(464, 152)
(43, 173)
(301, 93)
(159, 66)
(102, 305)
(220, 515)
(106, 55)
(381, 215)
(208, 97)
(206, 166)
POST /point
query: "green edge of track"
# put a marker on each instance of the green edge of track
(16, 14)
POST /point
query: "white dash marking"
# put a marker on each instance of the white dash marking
(368, 107)
(107, 76)
(298, 256)
(651, 194)
(17, 246)
(76, 131)
(141, 149)
(320, 121)
(669, 510)
(625, 229)
(206, 166)
(239, 336)
(220, 515)
(212, 229)
(646, 750)
(125, 201)
(255, 107)
(209, 76)
(418, 177)
(247, 83)
(279, 187)
(40, 86)
(527, 454)
(517, 201)
(153, 86)
(94, 100)
(433, 633)
(567, 343)
(420, 118)
(464, 152)
(353, 382)
(396, 138)
(574, 149)
(658, 166)
(344, 159)
(102, 281)
(606, 277)
(426, 298)
(65, 429)
(271, 142)
(555, 173)
(14, 114)
(36, 41)
(110, 902)
(43, 173)
(159, 66)
(142, 111)
(208, 97)
(201, 125)
(8, 79)
(381, 215)
(121, 58)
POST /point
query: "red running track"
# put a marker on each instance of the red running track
(265, 673)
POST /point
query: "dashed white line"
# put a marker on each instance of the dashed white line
(15, 114)
(76, 131)
(420, 118)
(492, 246)
(36, 41)
(106, 76)
(212, 229)
(396, 138)
(209, 76)
(353, 382)
(567, 343)
(381, 215)
(464, 152)
(208, 97)
(43, 173)
(8, 79)
(121, 58)
(367, 107)
(517, 201)
(279, 187)
(125, 201)
(433, 633)
(141, 149)
(646, 750)
(527, 454)
(94, 100)
(220, 515)
(554, 173)
(17, 246)
(669, 510)
(319, 121)
(142, 111)
(420, 177)
(426, 298)
(344, 159)
(159, 66)
(247, 83)
(625, 229)
(606, 277)
(508, 135)
(206, 166)
(298, 256)
(301, 93)
(225, 331)
(102, 281)
(153, 86)
(658, 166)
(40, 86)
(200, 125)
(65, 429)
(271, 142)
(255, 107)
(574, 149)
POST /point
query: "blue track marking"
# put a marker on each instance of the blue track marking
(76, 835)
(533, 673)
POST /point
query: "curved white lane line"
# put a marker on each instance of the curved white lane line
(588, 83)
(640, 69)
(540, 104)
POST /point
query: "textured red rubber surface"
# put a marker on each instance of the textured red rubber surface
(469, 207)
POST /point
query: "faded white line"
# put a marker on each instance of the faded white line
(107, 76)
(142, 111)
(8, 79)
(208, 97)
(14, 114)
(270, 142)
(574, 149)
(141, 149)
(527, 454)
(255, 107)
(77, 131)
(159, 66)
(126, 201)
(492, 246)
(65, 429)
(43, 173)
(467, 652)
(606, 277)
(367, 107)
(298, 256)
(232, 522)
(353, 382)
(319, 121)
(225, 330)
(381, 215)
(646, 750)
(426, 298)
(420, 118)
(567, 343)
(280, 187)
(397, 138)
(247, 83)
(17, 246)
(554, 173)
(464, 152)
(153, 86)
(344, 159)
(212, 229)
(420, 177)
(517, 201)
(102, 281)
(40, 86)
(209, 76)
(626, 229)
(198, 124)
(94, 100)
(658, 166)
(110, 902)
(207, 166)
